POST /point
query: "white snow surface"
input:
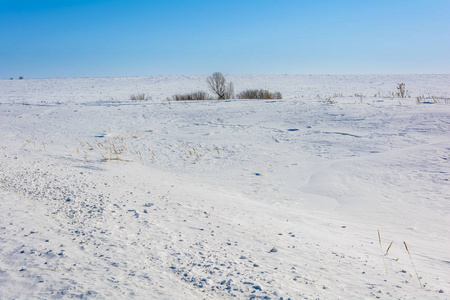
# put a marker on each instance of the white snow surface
(106, 198)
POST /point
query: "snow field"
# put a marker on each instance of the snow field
(103, 197)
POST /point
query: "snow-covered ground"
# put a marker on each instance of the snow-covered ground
(104, 197)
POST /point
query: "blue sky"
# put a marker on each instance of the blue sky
(66, 38)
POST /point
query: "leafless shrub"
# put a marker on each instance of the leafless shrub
(420, 99)
(137, 97)
(199, 95)
(277, 95)
(432, 99)
(258, 94)
(360, 96)
(439, 99)
(401, 91)
(218, 85)
(330, 100)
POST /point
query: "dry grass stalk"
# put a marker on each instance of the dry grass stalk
(389, 247)
(417, 275)
(381, 249)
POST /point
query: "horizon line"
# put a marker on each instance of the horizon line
(248, 74)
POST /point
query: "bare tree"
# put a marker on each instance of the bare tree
(217, 84)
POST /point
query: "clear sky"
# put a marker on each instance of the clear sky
(67, 38)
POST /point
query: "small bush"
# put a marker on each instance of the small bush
(402, 92)
(139, 97)
(21, 77)
(199, 95)
(259, 94)
(330, 100)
